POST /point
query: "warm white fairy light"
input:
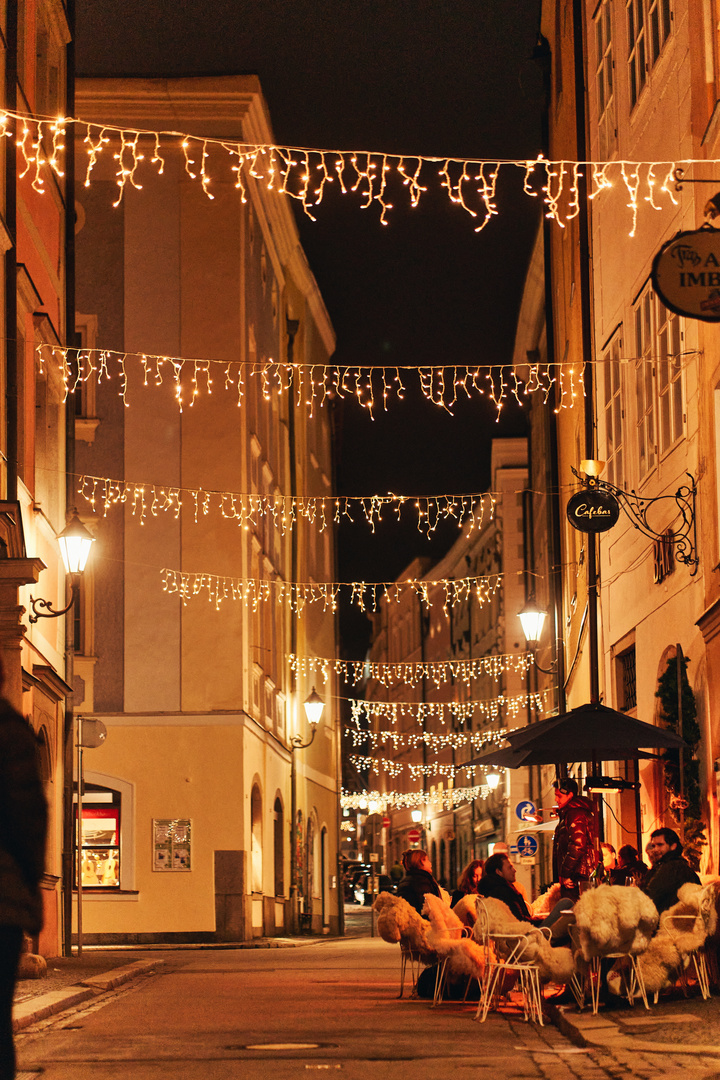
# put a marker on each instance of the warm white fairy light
(411, 740)
(437, 672)
(400, 800)
(442, 711)
(304, 174)
(312, 385)
(365, 595)
(147, 501)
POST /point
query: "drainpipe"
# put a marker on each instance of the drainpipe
(293, 326)
(11, 356)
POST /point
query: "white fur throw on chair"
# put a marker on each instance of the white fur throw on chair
(465, 956)
(398, 921)
(556, 965)
(614, 918)
(679, 935)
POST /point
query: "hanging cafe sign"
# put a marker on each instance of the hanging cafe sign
(686, 274)
(593, 511)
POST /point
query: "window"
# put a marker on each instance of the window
(649, 23)
(614, 414)
(627, 692)
(658, 384)
(604, 83)
(100, 838)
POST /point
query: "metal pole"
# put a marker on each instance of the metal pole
(681, 756)
(293, 844)
(79, 844)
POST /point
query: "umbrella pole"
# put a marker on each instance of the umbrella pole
(638, 809)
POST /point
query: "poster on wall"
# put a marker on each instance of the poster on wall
(172, 838)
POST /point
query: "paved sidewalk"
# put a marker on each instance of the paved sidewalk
(678, 1034)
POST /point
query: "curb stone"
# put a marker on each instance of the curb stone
(29, 1012)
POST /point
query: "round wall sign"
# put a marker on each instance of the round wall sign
(686, 274)
(593, 511)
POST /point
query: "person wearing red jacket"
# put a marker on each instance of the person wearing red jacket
(574, 855)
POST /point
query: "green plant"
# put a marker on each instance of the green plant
(687, 794)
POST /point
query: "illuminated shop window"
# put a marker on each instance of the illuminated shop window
(100, 848)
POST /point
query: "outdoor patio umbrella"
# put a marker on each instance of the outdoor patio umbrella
(588, 733)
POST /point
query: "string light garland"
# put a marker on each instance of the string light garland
(376, 178)
(489, 709)
(366, 595)
(437, 672)
(313, 385)
(147, 500)
(411, 740)
(400, 800)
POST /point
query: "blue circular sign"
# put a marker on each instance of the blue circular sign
(527, 845)
(525, 809)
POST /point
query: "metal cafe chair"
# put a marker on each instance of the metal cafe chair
(509, 953)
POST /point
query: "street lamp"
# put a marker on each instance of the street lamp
(75, 542)
(492, 779)
(314, 706)
(532, 618)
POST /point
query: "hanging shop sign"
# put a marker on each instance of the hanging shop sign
(593, 511)
(686, 274)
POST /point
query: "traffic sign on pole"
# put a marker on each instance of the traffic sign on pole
(386, 822)
(414, 836)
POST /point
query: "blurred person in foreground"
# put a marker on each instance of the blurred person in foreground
(23, 828)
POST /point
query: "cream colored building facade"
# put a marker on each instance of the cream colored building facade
(191, 793)
(648, 92)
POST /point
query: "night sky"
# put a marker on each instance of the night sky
(432, 77)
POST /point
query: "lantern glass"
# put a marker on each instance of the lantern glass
(533, 619)
(492, 779)
(314, 706)
(75, 542)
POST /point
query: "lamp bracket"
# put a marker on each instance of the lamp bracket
(296, 742)
(637, 509)
(48, 612)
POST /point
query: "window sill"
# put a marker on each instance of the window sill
(94, 895)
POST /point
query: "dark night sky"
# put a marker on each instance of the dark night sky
(433, 77)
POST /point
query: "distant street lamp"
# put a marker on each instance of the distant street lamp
(492, 779)
(314, 706)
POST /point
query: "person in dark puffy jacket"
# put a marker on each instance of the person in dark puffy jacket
(574, 855)
(418, 879)
(23, 826)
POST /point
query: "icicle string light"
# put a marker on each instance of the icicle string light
(365, 595)
(377, 179)
(400, 800)
(312, 385)
(411, 740)
(437, 672)
(422, 711)
(392, 768)
(249, 511)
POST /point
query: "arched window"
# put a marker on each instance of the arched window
(256, 851)
(279, 847)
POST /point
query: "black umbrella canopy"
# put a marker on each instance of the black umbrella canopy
(583, 734)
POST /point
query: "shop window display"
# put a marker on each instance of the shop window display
(100, 847)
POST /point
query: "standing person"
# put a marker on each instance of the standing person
(418, 879)
(23, 826)
(574, 856)
(669, 872)
(396, 873)
(468, 882)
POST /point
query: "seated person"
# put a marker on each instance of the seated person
(669, 872)
(468, 883)
(418, 879)
(498, 881)
(629, 867)
(609, 858)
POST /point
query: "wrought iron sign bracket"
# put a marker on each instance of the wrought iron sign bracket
(636, 508)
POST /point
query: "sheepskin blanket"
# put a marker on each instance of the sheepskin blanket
(669, 951)
(466, 909)
(465, 957)
(543, 905)
(556, 965)
(614, 918)
(399, 922)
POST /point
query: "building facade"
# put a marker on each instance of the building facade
(188, 830)
(36, 307)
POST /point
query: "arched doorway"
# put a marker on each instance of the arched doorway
(279, 847)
